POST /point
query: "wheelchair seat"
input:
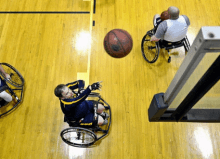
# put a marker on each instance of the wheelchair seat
(150, 50)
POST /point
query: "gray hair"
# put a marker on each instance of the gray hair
(173, 12)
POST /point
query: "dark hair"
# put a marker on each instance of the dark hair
(58, 90)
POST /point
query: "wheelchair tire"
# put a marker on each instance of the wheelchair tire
(78, 137)
(16, 78)
(150, 50)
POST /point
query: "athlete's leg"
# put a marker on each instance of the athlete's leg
(7, 97)
(101, 108)
(101, 121)
(101, 112)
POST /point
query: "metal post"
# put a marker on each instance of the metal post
(207, 40)
(208, 80)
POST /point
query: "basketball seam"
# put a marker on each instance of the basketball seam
(127, 36)
(108, 43)
(119, 42)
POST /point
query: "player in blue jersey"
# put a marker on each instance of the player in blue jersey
(74, 105)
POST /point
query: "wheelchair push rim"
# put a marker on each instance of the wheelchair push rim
(150, 50)
(78, 137)
(16, 79)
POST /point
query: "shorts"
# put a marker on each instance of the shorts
(89, 119)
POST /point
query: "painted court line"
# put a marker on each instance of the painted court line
(85, 75)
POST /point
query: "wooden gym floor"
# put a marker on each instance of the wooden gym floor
(49, 49)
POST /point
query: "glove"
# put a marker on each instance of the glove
(96, 86)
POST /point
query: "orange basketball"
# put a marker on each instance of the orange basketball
(118, 43)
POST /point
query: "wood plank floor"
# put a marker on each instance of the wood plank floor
(47, 50)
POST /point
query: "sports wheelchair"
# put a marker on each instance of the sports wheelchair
(14, 86)
(86, 136)
(151, 50)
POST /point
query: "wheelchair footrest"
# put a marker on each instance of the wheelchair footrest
(104, 131)
(100, 129)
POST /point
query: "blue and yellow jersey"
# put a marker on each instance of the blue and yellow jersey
(76, 107)
(77, 84)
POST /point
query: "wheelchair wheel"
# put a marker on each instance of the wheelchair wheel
(150, 50)
(16, 78)
(78, 137)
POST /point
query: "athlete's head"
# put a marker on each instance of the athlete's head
(173, 12)
(63, 92)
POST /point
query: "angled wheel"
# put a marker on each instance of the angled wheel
(150, 50)
(16, 78)
(78, 137)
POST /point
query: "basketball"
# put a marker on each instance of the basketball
(118, 43)
(164, 15)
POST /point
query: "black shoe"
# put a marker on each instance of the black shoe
(106, 107)
(150, 32)
(169, 59)
(105, 115)
(3, 103)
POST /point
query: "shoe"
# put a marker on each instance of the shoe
(105, 122)
(104, 115)
(169, 59)
(151, 32)
(3, 103)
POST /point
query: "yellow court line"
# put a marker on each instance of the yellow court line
(91, 25)
(85, 75)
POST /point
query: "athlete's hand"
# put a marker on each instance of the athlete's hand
(96, 86)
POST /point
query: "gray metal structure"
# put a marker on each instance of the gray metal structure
(207, 40)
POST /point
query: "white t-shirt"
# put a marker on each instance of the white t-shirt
(173, 30)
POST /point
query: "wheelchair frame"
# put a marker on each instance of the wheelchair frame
(156, 46)
(15, 77)
(91, 132)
